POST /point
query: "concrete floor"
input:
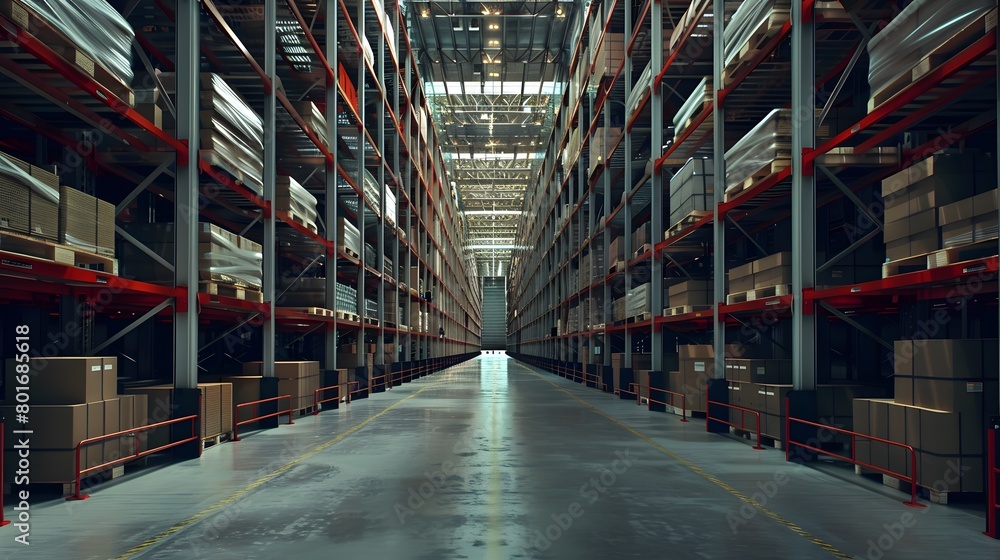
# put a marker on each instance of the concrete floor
(492, 460)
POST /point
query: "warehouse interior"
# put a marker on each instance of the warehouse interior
(553, 279)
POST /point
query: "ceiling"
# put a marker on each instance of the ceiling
(493, 73)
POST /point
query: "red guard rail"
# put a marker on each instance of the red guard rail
(317, 401)
(743, 417)
(853, 458)
(194, 419)
(633, 389)
(650, 400)
(355, 391)
(236, 413)
(992, 473)
(3, 431)
(384, 383)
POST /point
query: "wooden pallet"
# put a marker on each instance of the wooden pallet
(685, 309)
(759, 293)
(26, 245)
(769, 169)
(347, 251)
(939, 56)
(212, 441)
(618, 266)
(228, 290)
(645, 316)
(311, 226)
(942, 257)
(345, 316)
(317, 311)
(36, 26)
(685, 222)
(370, 321)
(643, 249)
(928, 493)
(767, 30)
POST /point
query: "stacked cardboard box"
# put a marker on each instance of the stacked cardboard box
(617, 363)
(348, 236)
(72, 399)
(640, 237)
(297, 379)
(290, 196)
(245, 389)
(913, 197)
(29, 199)
(86, 222)
(970, 220)
(224, 257)
(607, 57)
(599, 147)
(216, 410)
(618, 308)
(616, 251)
(942, 399)
(637, 300)
(773, 270)
(690, 293)
(692, 188)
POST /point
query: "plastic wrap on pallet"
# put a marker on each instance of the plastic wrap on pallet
(920, 28)
(755, 150)
(694, 104)
(744, 23)
(228, 259)
(95, 27)
(16, 173)
(301, 202)
(643, 84)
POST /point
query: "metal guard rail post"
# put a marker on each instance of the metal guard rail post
(317, 401)
(236, 413)
(992, 473)
(382, 384)
(853, 458)
(350, 392)
(194, 418)
(633, 389)
(743, 417)
(650, 400)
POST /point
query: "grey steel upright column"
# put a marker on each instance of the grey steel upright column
(381, 225)
(803, 197)
(657, 202)
(270, 178)
(186, 212)
(331, 377)
(716, 388)
(360, 181)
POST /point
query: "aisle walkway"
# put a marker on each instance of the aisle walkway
(491, 460)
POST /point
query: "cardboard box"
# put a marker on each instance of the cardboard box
(862, 416)
(140, 411)
(61, 426)
(777, 276)
(112, 419)
(109, 377)
(879, 424)
(955, 395)
(773, 398)
(949, 359)
(226, 407)
(955, 473)
(47, 466)
(126, 412)
(777, 260)
(244, 388)
(902, 351)
(60, 380)
(903, 389)
(94, 453)
(743, 271)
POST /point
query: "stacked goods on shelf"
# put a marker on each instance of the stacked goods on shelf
(297, 379)
(72, 399)
(90, 34)
(618, 308)
(616, 252)
(770, 276)
(370, 253)
(348, 356)
(684, 297)
(691, 189)
(751, 23)
(918, 39)
(29, 199)
(704, 26)
(314, 119)
(640, 237)
(637, 300)
(348, 237)
(371, 308)
(598, 263)
(600, 146)
(224, 258)
(216, 410)
(699, 100)
(416, 282)
(764, 150)
(86, 222)
(608, 56)
(245, 389)
(639, 90)
(291, 197)
(943, 392)
(231, 136)
(942, 187)
(572, 149)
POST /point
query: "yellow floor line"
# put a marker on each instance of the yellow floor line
(142, 547)
(697, 470)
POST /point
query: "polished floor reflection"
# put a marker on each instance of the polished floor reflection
(493, 460)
